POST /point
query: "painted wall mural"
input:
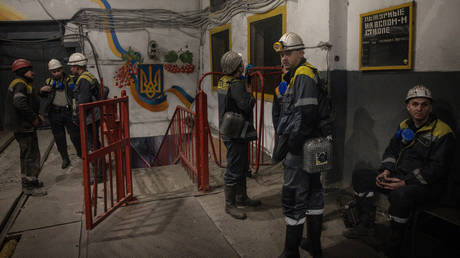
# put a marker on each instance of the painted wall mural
(146, 81)
(7, 13)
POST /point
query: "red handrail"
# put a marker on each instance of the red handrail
(114, 126)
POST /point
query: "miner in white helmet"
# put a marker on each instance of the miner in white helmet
(87, 90)
(58, 95)
(237, 99)
(413, 170)
(295, 119)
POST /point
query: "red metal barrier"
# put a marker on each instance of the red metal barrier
(186, 138)
(259, 77)
(186, 141)
(256, 156)
(106, 159)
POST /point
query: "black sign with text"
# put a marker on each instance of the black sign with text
(386, 38)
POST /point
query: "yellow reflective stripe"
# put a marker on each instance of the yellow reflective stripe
(19, 80)
(87, 76)
(224, 82)
(403, 124)
(441, 129)
(304, 69)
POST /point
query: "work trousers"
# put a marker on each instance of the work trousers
(237, 161)
(402, 200)
(60, 120)
(302, 192)
(29, 156)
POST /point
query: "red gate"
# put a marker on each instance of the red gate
(258, 78)
(106, 159)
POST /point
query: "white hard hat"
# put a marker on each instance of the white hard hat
(230, 61)
(289, 41)
(77, 59)
(419, 91)
(54, 64)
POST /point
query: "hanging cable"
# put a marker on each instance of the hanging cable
(54, 19)
(138, 19)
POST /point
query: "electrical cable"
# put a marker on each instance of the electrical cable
(138, 19)
(52, 17)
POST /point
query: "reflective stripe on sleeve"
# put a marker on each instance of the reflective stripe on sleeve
(419, 176)
(389, 160)
(306, 101)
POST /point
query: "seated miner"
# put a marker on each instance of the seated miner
(237, 131)
(413, 171)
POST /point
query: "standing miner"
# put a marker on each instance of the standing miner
(58, 91)
(295, 119)
(22, 117)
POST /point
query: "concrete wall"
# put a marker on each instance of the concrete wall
(369, 105)
(374, 99)
(143, 122)
(310, 19)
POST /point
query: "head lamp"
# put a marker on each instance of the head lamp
(278, 46)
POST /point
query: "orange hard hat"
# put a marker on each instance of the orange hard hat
(20, 63)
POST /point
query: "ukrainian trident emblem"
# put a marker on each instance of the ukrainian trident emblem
(149, 87)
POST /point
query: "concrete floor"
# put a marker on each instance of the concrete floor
(170, 219)
(10, 171)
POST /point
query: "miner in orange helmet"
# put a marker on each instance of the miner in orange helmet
(22, 117)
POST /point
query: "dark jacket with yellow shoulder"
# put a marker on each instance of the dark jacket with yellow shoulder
(238, 100)
(86, 90)
(295, 114)
(424, 160)
(49, 96)
(222, 88)
(21, 106)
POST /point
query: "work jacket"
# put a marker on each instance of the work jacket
(86, 90)
(69, 86)
(238, 100)
(222, 88)
(295, 113)
(426, 158)
(21, 106)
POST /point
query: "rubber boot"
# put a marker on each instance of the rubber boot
(312, 243)
(242, 198)
(292, 242)
(230, 203)
(366, 215)
(30, 189)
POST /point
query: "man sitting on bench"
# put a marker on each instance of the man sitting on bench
(413, 171)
